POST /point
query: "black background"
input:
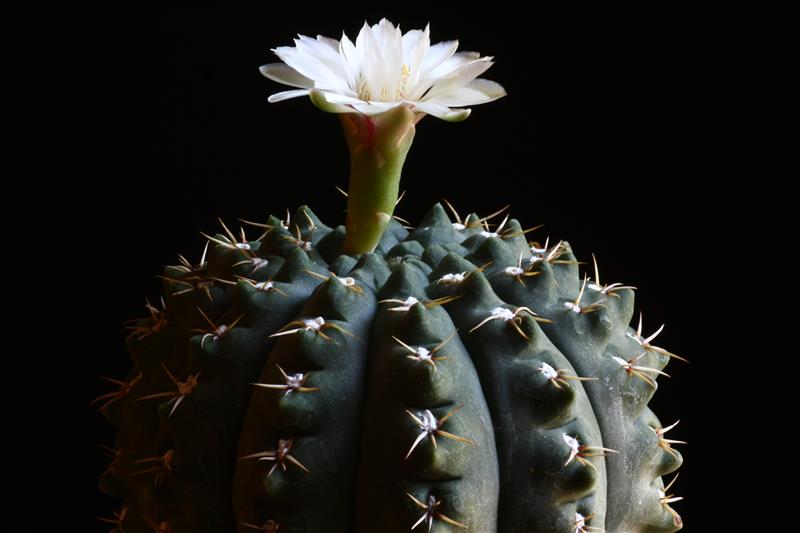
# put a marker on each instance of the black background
(664, 142)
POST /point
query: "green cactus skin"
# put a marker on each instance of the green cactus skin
(344, 446)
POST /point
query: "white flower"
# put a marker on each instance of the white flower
(384, 69)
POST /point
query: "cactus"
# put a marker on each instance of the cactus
(370, 378)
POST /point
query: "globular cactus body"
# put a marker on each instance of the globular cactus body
(454, 379)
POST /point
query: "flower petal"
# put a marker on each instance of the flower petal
(350, 58)
(415, 46)
(436, 55)
(321, 49)
(320, 99)
(380, 50)
(446, 68)
(459, 77)
(442, 112)
(308, 65)
(333, 44)
(478, 91)
(389, 39)
(318, 48)
(285, 95)
(283, 73)
(339, 98)
(452, 63)
(375, 108)
(370, 61)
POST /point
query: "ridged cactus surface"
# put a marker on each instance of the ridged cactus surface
(456, 379)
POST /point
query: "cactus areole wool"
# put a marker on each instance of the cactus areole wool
(376, 378)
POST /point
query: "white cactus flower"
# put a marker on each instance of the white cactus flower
(382, 70)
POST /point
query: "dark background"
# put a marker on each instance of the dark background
(663, 141)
